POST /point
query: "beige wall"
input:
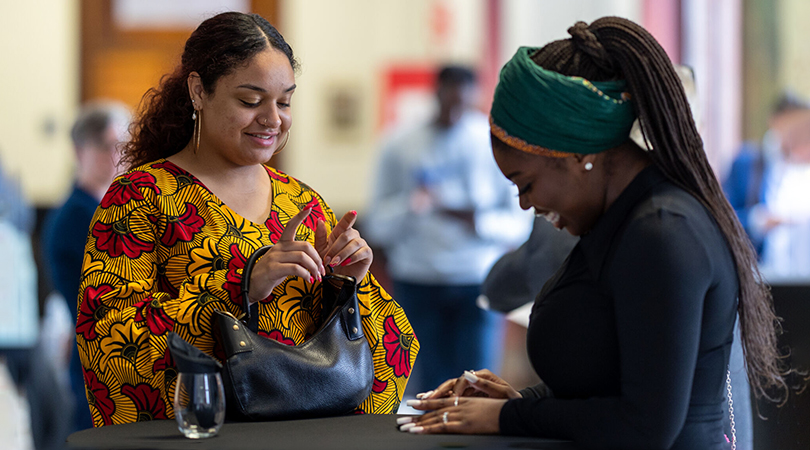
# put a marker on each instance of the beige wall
(794, 38)
(538, 22)
(351, 43)
(39, 41)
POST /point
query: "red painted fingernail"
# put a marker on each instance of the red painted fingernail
(334, 261)
(311, 279)
(348, 260)
(354, 213)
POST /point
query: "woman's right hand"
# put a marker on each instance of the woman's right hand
(287, 257)
(479, 383)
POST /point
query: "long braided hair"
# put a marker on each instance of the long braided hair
(616, 48)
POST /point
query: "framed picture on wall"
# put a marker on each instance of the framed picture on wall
(343, 111)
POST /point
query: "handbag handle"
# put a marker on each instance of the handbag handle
(248, 270)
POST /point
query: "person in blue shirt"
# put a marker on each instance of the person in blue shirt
(97, 133)
(752, 171)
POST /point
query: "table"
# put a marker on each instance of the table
(358, 432)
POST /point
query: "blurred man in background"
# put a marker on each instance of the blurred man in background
(785, 211)
(757, 168)
(97, 135)
(443, 213)
(19, 321)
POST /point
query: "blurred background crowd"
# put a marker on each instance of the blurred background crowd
(74, 71)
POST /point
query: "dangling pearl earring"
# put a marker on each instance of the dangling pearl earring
(588, 166)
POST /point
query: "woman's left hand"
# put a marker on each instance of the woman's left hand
(344, 250)
(461, 415)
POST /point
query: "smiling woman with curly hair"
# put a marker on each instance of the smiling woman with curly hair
(169, 241)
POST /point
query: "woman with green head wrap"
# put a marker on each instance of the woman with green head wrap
(632, 335)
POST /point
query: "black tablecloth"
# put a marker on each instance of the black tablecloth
(358, 432)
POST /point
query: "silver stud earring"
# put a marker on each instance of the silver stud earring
(588, 166)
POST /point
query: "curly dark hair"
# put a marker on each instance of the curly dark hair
(217, 47)
(613, 48)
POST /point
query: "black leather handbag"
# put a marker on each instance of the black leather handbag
(329, 374)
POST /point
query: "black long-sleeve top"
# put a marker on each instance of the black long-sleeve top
(633, 333)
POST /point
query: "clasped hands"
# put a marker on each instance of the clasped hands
(422, 201)
(469, 404)
(343, 250)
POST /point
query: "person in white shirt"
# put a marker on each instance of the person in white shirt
(786, 246)
(443, 214)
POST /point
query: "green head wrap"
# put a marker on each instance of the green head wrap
(543, 112)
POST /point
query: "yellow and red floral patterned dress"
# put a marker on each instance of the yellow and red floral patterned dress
(163, 252)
